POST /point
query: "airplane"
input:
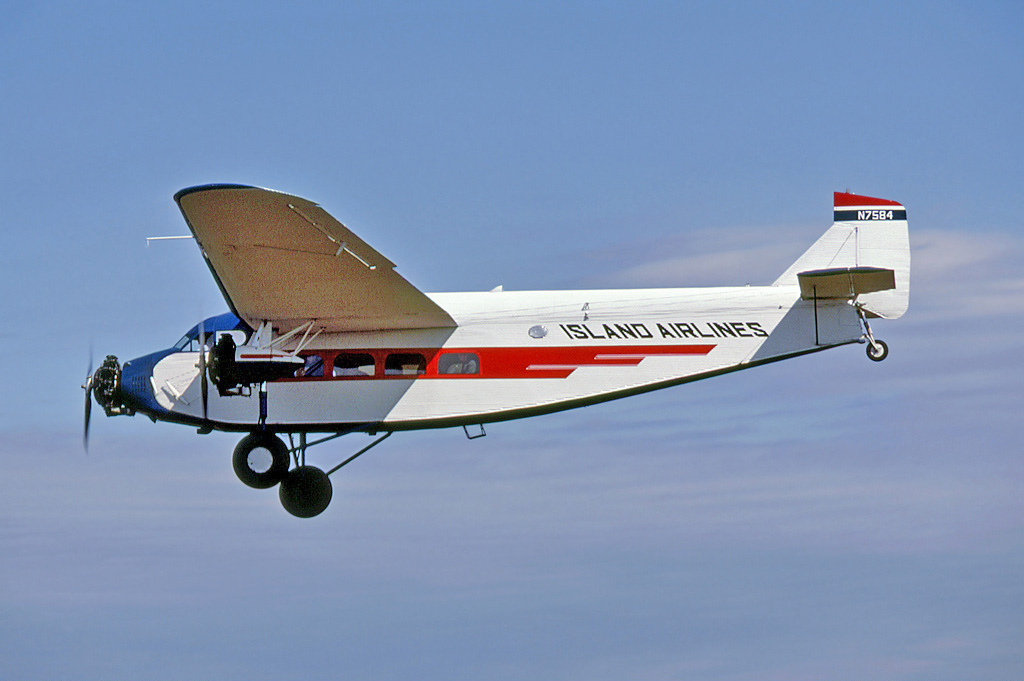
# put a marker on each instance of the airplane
(325, 338)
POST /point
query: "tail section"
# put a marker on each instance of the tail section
(868, 235)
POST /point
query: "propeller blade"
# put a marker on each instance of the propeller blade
(88, 404)
(204, 387)
(88, 415)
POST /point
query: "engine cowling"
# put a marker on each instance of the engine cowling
(106, 387)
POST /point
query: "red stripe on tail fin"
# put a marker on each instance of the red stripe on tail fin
(842, 199)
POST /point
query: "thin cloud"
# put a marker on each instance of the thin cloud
(705, 257)
(954, 274)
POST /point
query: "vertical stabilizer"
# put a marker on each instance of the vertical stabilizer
(866, 232)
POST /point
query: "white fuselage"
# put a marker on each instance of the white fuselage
(518, 353)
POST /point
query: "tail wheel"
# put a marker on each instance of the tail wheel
(261, 460)
(305, 491)
(877, 351)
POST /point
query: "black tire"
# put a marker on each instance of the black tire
(268, 474)
(877, 354)
(306, 491)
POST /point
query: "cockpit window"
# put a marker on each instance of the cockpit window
(226, 322)
(190, 342)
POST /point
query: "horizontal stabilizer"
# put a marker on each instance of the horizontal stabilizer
(845, 282)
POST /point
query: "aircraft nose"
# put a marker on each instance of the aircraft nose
(134, 384)
(136, 387)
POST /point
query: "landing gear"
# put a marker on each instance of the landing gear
(877, 351)
(305, 491)
(261, 460)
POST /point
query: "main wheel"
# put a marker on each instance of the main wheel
(877, 351)
(305, 491)
(260, 460)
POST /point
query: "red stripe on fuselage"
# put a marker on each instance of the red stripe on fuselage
(560, 362)
(517, 362)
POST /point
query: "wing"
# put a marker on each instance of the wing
(284, 259)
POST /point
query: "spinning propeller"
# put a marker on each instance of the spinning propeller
(105, 387)
(204, 385)
(88, 403)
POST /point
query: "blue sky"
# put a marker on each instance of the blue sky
(820, 518)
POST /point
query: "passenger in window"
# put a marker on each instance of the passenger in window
(405, 364)
(314, 366)
(353, 364)
(458, 363)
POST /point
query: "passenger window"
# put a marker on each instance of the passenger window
(458, 363)
(353, 364)
(405, 364)
(314, 366)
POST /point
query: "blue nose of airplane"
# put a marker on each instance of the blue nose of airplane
(136, 383)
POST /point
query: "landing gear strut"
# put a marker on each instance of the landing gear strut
(877, 350)
(261, 460)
